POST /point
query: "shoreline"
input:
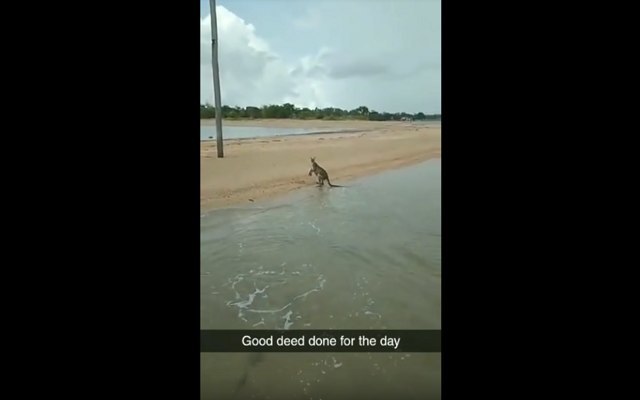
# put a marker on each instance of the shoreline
(286, 135)
(265, 168)
(313, 123)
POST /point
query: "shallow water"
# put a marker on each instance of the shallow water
(208, 132)
(245, 132)
(366, 256)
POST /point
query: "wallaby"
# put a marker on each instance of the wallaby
(321, 173)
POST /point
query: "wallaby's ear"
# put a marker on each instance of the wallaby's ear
(313, 158)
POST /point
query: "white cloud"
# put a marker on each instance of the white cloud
(385, 56)
(251, 73)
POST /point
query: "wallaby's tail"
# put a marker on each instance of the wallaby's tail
(332, 185)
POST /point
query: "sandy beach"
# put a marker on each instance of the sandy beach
(261, 168)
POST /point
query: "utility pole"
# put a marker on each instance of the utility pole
(216, 77)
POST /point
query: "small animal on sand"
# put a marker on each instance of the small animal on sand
(321, 173)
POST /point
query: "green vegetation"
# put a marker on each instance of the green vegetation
(289, 111)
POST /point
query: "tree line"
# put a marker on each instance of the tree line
(290, 111)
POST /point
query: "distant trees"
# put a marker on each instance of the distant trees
(363, 111)
(207, 111)
(290, 111)
(253, 112)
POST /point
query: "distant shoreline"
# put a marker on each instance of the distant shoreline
(290, 135)
(309, 122)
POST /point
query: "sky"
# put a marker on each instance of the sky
(382, 54)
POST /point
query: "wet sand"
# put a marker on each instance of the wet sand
(262, 168)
